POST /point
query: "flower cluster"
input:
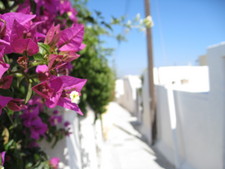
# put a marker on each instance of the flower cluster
(37, 46)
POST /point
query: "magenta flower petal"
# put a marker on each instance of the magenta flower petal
(43, 89)
(25, 45)
(20, 17)
(54, 162)
(72, 83)
(38, 128)
(52, 102)
(55, 61)
(2, 156)
(51, 90)
(82, 46)
(57, 91)
(16, 104)
(29, 115)
(5, 82)
(71, 38)
(41, 69)
(3, 67)
(32, 121)
(18, 31)
(43, 73)
(66, 103)
(55, 119)
(4, 101)
(40, 36)
(9, 18)
(53, 35)
(66, 124)
(4, 43)
(24, 7)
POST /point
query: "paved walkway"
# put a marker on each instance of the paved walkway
(123, 148)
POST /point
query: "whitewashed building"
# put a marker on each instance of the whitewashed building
(190, 112)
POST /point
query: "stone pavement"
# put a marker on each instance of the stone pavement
(123, 147)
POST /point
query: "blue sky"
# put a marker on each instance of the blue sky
(182, 31)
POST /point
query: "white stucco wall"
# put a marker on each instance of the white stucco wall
(191, 127)
(184, 78)
(67, 149)
(126, 92)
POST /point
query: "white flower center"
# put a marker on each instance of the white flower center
(75, 97)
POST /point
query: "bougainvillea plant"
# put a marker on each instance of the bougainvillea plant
(38, 42)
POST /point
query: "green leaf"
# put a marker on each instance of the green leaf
(107, 25)
(44, 48)
(38, 57)
(29, 93)
(10, 112)
(8, 145)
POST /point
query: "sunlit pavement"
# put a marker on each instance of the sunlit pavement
(123, 148)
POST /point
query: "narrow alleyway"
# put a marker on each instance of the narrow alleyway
(123, 147)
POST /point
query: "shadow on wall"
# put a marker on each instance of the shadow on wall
(126, 92)
(190, 111)
(190, 118)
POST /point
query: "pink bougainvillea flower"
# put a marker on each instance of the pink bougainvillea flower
(51, 90)
(2, 28)
(21, 18)
(58, 91)
(4, 101)
(38, 128)
(27, 46)
(24, 7)
(4, 44)
(5, 82)
(52, 6)
(8, 19)
(54, 162)
(3, 67)
(32, 121)
(61, 61)
(70, 84)
(20, 31)
(23, 62)
(16, 104)
(55, 61)
(66, 124)
(71, 38)
(53, 36)
(23, 39)
(55, 119)
(43, 72)
(55, 112)
(2, 156)
(69, 55)
(36, 101)
(65, 69)
(66, 7)
(41, 69)
(12, 103)
(19, 35)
